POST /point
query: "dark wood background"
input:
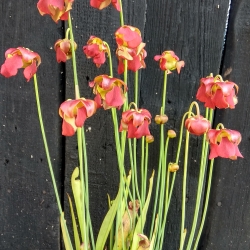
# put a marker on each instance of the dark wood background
(210, 36)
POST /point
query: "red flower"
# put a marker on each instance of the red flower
(101, 4)
(135, 57)
(197, 125)
(224, 143)
(74, 114)
(96, 49)
(136, 122)
(128, 36)
(57, 9)
(169, 61)
(109, 91)
(20, 58)
(63, 50)
(215, 92)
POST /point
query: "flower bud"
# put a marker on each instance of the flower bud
(171, 133)
(161, 119)
(173, 167)
(149, 138)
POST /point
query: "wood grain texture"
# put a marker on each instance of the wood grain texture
(29, 217)
(228, 220)
(195, 31)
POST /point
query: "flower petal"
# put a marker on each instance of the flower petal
(11, 65)
(30, 71)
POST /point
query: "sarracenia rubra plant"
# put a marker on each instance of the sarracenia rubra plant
(127, 225)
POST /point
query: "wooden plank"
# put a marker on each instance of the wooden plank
(195, 31)
(29, 217)
(228, 220)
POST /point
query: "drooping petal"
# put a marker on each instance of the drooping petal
(203, 97)
(116, 4)
(68, 126)
(219, 100)
(138, 118)
(11, 66)
(90, 107)
(60, 55)
(131, 130)
(30, 71)
(114, 97)
(80, 117)
(142, 130)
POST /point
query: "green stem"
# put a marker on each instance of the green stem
(146, 169)
(203, 167)
(48, 155)
(164, 92)
(46, 145)
(82, 182)
(72, 42)
(110, 60)
(125, 79)
(121, 13)
(88, 218)
(136, 87)
(163, 195)
(183, 214)
(143, 180)
(206, 204)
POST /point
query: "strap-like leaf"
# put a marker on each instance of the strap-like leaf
(76, 234)
(141, 221)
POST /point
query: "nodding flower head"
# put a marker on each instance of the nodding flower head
(101, 4)
(96, 48)
(169, 61)
(20, 58)
(216, 93)
(136, 122)
(74, 114)
(224, 143)
(109, 91)
(57, 9)
(128, 36)
(63, 50)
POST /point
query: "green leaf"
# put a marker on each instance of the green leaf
(107, 222)
(76, 234)
(76, 187)
(65, 233)
(142, 219)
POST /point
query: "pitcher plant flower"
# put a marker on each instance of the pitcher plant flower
(215, 92)
(109, 91)
(128, 36)
(197, 125)
(135, 57)
(224, 143)
(169, 61)
(136, 122)
(74, 114)
(57, 9)
(20, 57)
(101, 4)
(63, 50)
(96, 48)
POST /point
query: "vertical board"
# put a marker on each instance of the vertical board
(29, 217)
(229, 214)
(195, 31)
